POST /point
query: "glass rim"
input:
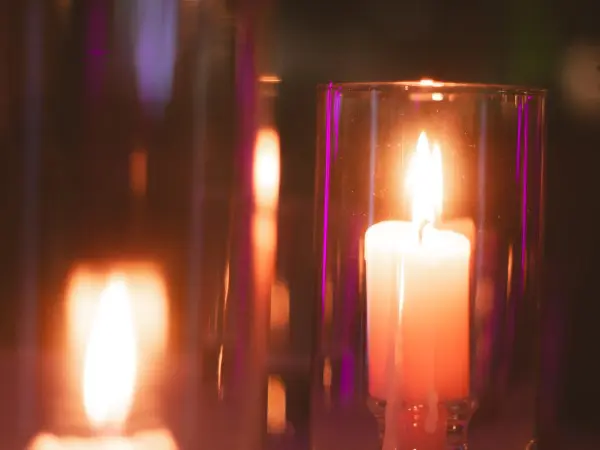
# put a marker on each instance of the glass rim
(430, 85)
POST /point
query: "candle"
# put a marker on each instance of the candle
(160, 439)
(418, 290)
(106, 304)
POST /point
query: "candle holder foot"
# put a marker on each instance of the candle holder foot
(442, 426)
(421, 427)
(458, 414)
(377, 408)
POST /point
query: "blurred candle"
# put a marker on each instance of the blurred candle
(264, 218)
(418, 277)
(104, 304)
(265, 185)
(149, 440)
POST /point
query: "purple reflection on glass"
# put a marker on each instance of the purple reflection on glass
(524, 194)
(337, 104)
(155, 48)
(519, 122)
(246, 104)
(349, 314)
(96, 47)
(326, 198)
(347, 372)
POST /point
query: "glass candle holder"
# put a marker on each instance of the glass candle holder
(429, 227)
(120, 223)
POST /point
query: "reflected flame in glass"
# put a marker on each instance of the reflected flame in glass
(264, 238)
(110, 360)
(274, 79)
(266, 170)
(280, 306)
(430, 82)
(276, 406)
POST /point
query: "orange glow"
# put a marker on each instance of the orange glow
(437, 96)
(269, 79)
(276, 406)
(138, 172)
(425, 181)
(160, 439)
(264, 239)
(266, 168)
(280, 306)
(110, 359)
(430, 82)
(117, 322)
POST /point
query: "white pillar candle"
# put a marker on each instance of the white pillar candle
(419, 277)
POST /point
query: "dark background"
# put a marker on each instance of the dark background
(43, 92)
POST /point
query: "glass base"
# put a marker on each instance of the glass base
(421, 427)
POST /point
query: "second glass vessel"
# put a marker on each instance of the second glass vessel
(429, 223)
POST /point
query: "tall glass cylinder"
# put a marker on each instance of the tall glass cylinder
(429, 228)
(123, 161)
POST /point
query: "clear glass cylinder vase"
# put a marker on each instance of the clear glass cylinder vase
(428, 230)
(123, 164)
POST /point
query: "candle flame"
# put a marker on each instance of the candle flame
(425, 181)
(110, 358)
(266, 168)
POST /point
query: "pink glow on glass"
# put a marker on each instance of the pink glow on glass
(96, 47)
(155, 25)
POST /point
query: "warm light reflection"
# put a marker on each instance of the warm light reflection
(280, 306)
(276, 406)
(425, 181)
(160, 439)
(274, 79)
(327, 374)
(138, 172)
(430, 82)
(264, 239)
(110, 359)
(266, 168)
(509, 273)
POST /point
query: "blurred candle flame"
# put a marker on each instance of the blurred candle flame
(117, 334)
(110, 359)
